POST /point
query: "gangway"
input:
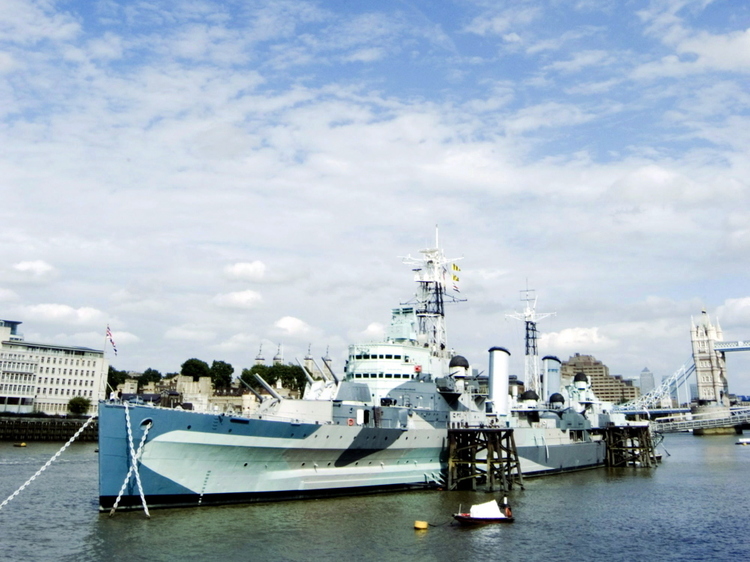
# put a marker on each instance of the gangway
(689, 422)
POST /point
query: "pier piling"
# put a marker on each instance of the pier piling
(499, 468)
(630, 446)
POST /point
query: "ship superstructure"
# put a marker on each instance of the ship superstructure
(383, 424)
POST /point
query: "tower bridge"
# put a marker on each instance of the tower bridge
(712, 414)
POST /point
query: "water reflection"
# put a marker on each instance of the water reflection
(617, 514)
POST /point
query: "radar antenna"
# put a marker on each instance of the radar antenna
(530, 318)
(432, 272)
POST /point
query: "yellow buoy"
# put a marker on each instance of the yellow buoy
(19, 444)
(421, 525)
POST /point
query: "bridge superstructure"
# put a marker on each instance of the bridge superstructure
(709, 367)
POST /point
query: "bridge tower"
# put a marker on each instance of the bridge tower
(710, 367)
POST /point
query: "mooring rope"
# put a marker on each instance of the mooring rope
(49, 462)
(134, 456)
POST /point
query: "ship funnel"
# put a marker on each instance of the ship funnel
(499, 368)
(551, 365)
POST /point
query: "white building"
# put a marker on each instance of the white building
(43, 378)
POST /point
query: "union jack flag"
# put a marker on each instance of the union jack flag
(109, 337)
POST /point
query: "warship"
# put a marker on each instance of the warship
(380, 425)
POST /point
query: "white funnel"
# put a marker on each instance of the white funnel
(552, 383)
(499, 366)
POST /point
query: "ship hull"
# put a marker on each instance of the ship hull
(192, 459)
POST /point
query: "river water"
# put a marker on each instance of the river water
(694, 506)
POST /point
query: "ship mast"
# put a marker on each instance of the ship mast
(433, 273)
(530, 319)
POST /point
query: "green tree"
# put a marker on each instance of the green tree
(78, 405)
(221, 374)
(247, 376)
(292, 376)
(149, 375)
(115, 377)
(195, 368)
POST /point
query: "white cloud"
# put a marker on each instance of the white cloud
(365, 55)
(247, 271)
(695, 51)
(109, 46)
(7, 63)
(27, 23)
(735, 312)
(238, 342)
(502, 23)
(571, 339)
(292, 326)
(655, 184)
(239, 299)
(194, 150)
(94, 339)
(546, 115)
(6, 295)
(190, 333)
(728, 52)
(582, 60)
(63, 314)
(375, 331)
(36, 270)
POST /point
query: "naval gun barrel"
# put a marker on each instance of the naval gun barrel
(257, 394)
(307, 374)
(267, 386)
(335, 378)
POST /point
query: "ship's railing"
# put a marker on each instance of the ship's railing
(700, 421)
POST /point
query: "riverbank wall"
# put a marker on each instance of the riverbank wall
(22, 429)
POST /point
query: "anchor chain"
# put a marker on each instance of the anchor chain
(135, 457)
(49, 462)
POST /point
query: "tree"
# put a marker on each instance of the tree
(195, 368)
(149, 375)
(247, 376)
(221, 374)
(78, 405)
(115, 377)
(292, 376)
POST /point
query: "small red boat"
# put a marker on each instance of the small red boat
(484, 513)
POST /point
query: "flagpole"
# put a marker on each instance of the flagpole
(104, 359)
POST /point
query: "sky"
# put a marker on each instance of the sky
(215, 179)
